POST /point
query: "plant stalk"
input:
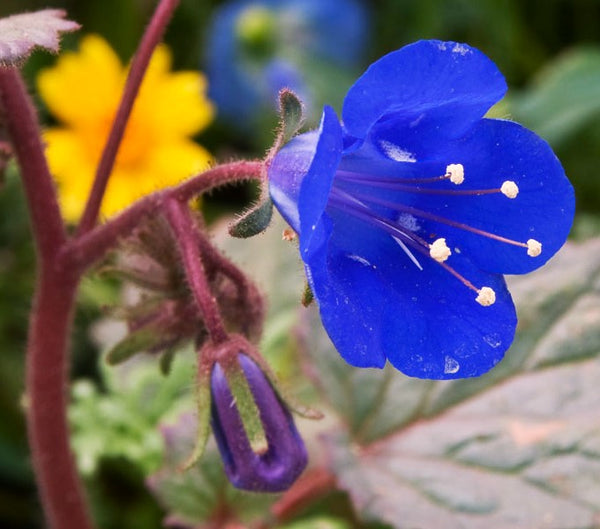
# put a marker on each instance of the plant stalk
(184, 231)
(86, 249)
(22, 124)
(47, 375)
(152, 36)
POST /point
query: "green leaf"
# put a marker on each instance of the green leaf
(247, 408)
(564, 96)
(517, 447)
(307, 296)
(20, 34)
(166, 361)
(123, 420)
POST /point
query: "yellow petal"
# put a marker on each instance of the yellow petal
(166, 166)
(84, 89)
(174, 162)
(159, 65)
(83, 86)
(72, 170)
(178, 105)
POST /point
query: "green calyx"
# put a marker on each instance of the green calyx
(246, 406)
(291, 114)
(203, 399)
(135, 342)
(255, 220)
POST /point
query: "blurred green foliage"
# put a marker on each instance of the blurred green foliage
(549, 51)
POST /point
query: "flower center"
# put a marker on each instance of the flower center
(136, 143)
(363, 205)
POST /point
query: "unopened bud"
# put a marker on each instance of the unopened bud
(272, 468)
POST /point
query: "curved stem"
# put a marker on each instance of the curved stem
(150, 40)
(184, 230)
(46, 376)
(88, 248)
(21, 120)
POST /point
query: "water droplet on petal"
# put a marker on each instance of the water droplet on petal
(451, 365)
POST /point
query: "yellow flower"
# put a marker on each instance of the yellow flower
(83, 91)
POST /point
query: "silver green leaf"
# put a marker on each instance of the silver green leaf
(518, 447)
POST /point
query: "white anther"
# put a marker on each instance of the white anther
(439, 251)
(486, 297)
(510, 189)
(456, 172)
(534, 248)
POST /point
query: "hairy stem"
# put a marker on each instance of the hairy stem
(88, 248)
(22, 124)
(184, 230)
(47, 376)
(59, 485)
(150, 40)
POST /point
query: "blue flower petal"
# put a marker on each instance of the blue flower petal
(286, 173)
(369, 201)
(300, 179)
(428, 82)
(375, 303)
(494, 151)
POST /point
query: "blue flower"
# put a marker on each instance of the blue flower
(257, 47)
(285, 457)
(409, 213)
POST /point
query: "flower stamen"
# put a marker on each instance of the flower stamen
(407, 251)
(383, 181)
(456, 173)
(486, 296)
(439, 251)
(534, 248)
(509, 189)
(436, 250)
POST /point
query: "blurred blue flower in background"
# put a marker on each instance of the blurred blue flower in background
(409, 215)
(257, 47)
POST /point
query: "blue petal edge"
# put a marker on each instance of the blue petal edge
(418, 80)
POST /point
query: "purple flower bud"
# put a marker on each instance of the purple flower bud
(285, 458)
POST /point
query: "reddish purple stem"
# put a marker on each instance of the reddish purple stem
(22, 124)
(150, 40)
(184, 229)
(46, 371)
(62, 261)
(88, 248)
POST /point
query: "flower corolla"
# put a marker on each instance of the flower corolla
(412, 208)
